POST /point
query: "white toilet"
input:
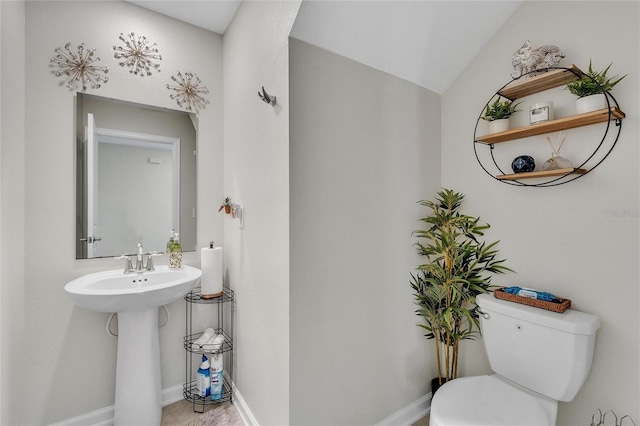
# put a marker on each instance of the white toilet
(539, 357)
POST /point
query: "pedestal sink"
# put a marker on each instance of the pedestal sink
(136, 297)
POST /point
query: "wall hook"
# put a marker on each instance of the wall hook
(265, 97)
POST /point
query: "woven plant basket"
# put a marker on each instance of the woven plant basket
(542, 304)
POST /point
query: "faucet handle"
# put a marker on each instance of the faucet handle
(128, 267)
(150, 257)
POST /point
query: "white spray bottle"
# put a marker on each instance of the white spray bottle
(216, 376)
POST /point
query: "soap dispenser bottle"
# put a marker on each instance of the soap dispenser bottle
(172, 237)
(175, 252)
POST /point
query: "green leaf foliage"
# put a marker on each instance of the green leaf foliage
(499, 110)
(457, 267)
(593, 82)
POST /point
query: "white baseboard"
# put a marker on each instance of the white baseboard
(172, 394)
(101, 417)
(243, 409)
(409, 414)
(104, 416)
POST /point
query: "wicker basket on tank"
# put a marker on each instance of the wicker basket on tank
(542, 304)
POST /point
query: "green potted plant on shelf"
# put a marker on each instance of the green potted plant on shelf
(497, 114)
(590, 89)
(455, 272)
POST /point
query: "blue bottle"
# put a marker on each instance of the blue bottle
(203, 380)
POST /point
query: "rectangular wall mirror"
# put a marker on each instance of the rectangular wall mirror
(135, 177)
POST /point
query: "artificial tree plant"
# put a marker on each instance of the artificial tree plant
(455, 272)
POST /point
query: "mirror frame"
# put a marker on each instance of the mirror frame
(187, 213)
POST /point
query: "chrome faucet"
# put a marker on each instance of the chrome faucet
(140, 266)
(139, 258)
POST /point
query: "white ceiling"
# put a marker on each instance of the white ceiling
(427, 42)
(212, 15)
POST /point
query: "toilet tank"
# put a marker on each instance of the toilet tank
(547, 352)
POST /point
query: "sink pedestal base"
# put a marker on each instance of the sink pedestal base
(138, 383)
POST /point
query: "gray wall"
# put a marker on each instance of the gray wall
(124, 171)
(256, 176)
(330, 289)
(364, 148)
(12, 207)
(562, 239)
(40, 324)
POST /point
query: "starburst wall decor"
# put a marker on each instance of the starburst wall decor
(187, 91)
(79, 67)
(137, 54)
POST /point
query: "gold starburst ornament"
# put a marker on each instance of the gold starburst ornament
(138, 54)
(79, 67)
(188, 92)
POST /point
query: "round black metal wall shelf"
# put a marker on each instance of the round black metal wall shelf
(529, 84)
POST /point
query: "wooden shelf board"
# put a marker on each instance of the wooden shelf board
(539, 174)
(527, 86)
(593, 117)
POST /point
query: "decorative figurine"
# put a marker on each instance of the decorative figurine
(523, 164)
(526, 59)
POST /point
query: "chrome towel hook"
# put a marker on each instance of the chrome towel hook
(266, 97)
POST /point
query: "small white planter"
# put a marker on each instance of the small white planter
(590, 103)
(497, 126)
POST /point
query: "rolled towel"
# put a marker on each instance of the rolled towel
(214, 344)
(532, 294)
(202, 340)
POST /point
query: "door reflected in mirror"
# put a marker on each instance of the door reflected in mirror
(136, 177)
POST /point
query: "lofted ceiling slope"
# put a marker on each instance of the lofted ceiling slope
(212, 15)
(427, 42)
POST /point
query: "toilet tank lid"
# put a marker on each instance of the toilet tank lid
(569, 321)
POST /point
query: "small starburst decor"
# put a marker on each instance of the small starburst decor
(78, 67)
(187, 91)
(137, 54)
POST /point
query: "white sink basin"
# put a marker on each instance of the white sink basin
(115, 291)
(136, 298)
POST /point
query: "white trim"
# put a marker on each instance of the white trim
(101, 417)
(171, 395)
(91, 167)
(136, 136)
(104, 416)
(409, 414)
(242, 408)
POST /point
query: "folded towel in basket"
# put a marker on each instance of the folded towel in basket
(208, 334)
(532, 294)
(214, 344)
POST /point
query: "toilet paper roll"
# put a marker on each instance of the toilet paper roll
(211, 265)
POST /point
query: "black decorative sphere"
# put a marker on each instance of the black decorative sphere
(523, 164)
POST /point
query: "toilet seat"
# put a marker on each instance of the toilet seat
(487, 400)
